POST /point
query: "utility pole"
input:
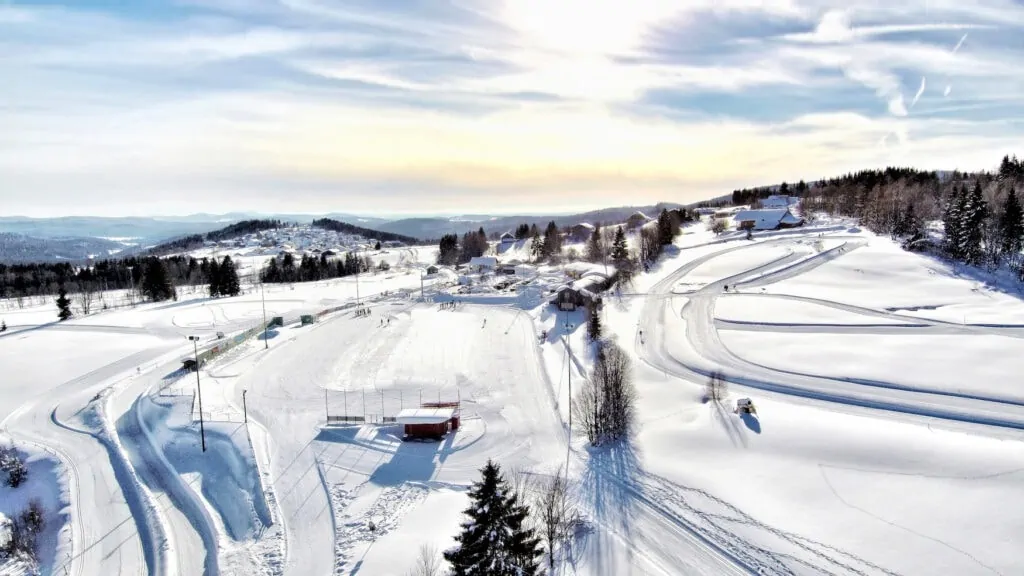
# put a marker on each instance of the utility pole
(245, 413)
(199, 389)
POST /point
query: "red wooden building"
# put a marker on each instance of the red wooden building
(433, 420)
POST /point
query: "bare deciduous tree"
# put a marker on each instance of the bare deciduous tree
(717, 387)
(557, 515)
(605, 404)
(86, 297)
(428, 563)
(716, 225)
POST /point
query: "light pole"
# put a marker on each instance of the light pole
(263, 299)
(245, 413)
(202, 429)
(568, 344)
(131, 278)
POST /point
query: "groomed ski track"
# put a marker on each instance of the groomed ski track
(681, 338)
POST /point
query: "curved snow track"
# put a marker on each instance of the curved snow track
(698, 350)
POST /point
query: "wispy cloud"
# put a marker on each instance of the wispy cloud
(370, 104)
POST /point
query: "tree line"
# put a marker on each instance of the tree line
(452, 250)
(193, 241)
(980, 212)
(754, 195)
(311, 268)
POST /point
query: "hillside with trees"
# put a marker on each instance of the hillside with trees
(194, 241)
(980, 212)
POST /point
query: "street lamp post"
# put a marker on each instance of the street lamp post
(199, 389)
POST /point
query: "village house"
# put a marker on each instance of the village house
(773, 219)
(636, 220)
(508, 238)
(581, 232)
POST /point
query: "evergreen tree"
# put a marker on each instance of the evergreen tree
(229, 284)
(63, 304)
(1011, 225)
(668, 228)
(951, 222)
(448, 250)
(620, 252)
(595, 247)
(594, 322)
(537, 248)
(552, 240)
(214, 278)
(620, 256)
(288, 272)
(272, 273)
(494, 540)
(3, 325)
(973, 219)
(376, 246)
(155, 284)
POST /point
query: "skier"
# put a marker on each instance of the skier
(641, 336)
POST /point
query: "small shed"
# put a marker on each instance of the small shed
(431, 270)
(427, 422)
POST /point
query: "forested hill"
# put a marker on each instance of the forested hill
(345, 228)
(194, 241)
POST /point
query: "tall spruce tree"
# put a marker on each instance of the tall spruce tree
(1011, 225)
(63, 304)
(229, 283)
(155, 283)
(976, 212)
(494, 540)
(552, 240)
(952, 223)
(594, 321)
(595, 247)
(668, 227)
(214, 278)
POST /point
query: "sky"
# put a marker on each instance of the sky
(160, 107)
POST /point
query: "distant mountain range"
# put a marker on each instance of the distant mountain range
(76, 238)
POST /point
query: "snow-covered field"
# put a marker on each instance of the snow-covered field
(887, 438)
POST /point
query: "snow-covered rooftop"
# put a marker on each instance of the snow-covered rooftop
(766, 219)
(425, 415)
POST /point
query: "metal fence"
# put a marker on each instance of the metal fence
(382, 406)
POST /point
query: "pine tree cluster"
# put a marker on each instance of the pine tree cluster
(13, 466)
(495, 540)
(223, 278)
(311, 268)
